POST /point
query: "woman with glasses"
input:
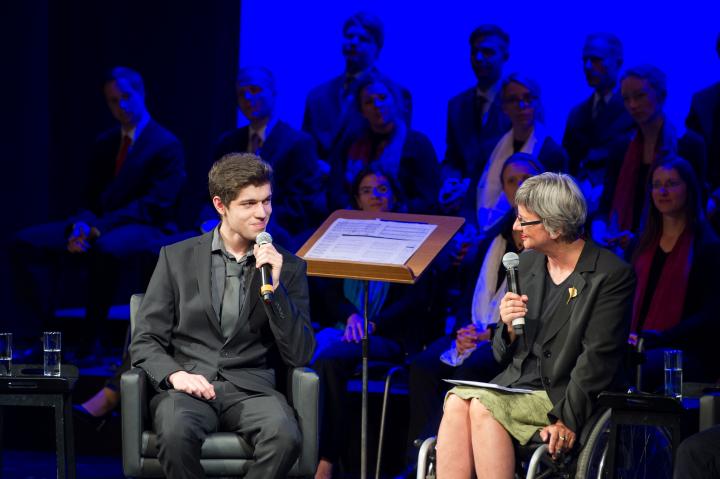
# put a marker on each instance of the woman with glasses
(575, 299)
(644, 91)
(676, 262)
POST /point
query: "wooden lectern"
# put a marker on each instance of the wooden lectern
(408, 273)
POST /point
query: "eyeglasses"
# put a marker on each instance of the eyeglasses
(669, 184)
(526, 101)
(528, 223)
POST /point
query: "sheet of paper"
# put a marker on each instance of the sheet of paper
(478, 384)
(370, 241)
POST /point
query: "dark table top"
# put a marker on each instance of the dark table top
(29, 378)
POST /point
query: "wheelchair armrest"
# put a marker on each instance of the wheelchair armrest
(304, 397)
(134, 410)
(709, 410)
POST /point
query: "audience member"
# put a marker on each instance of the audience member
(396, 313)
(698, 456)
(704, 119)
(598, 129)
(644, 90)
(206, 339)
(522, 104)
(576, 296)
(676, 262)
(299, 190)
(475, 116)
(379, 134)
(135, 175)
(467, 353)
(327, 105)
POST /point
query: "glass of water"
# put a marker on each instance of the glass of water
(52, 346)
(5, 354)
(673, 373)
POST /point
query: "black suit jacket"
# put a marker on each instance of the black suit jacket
(299, 189)
(147, 186)
(704, 118)
(465, 137)
(178, 327)
(325, 107)
(583, 342)
(589, 140)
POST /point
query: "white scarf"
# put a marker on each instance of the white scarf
(492, 205)
(486, 300)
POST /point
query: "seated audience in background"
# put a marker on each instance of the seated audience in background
(644, 90)
(379, 134)
(467, 353)
(704, 119)
(328, 104)
(598, 129)
(134, 178)
(299, 196)
(676, 263)
(396, 313)
(575, 304)
(698, 456)
(475, 116)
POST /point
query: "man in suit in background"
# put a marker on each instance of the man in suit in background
(206, 338)
(299, 200)
(327, 104)
(475, 118)
(598, 129)
(135, 176)
(704, 118)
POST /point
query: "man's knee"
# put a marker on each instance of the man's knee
(283, 433)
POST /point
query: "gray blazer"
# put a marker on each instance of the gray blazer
(583, 343)
(178, 328)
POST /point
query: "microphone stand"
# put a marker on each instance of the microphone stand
(364, 406)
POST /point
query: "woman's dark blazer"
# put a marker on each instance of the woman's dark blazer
(583, 341)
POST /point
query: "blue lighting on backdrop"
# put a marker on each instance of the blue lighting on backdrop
(426, 48)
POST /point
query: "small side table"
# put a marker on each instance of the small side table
(28, 387)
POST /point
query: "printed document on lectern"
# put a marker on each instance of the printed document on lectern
(370, 241)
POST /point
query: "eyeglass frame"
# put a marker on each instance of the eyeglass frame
(528, 223)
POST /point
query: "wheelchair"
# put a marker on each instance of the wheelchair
(610, 446)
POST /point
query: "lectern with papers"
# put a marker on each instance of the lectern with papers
(375, 246)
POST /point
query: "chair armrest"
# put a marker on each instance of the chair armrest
(709, 410)
(134, 409)
(304, 395)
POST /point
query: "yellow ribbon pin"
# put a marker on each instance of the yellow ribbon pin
(572, 292)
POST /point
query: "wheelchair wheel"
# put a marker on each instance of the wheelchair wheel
(643, 452)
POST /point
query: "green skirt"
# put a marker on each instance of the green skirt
(522, 415)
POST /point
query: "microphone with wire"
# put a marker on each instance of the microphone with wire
(266, 283)
(511, 261)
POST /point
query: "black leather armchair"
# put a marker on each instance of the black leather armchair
(223, 453)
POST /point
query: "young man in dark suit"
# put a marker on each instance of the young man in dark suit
(299, 200)
(135, 176)
(475, 117)
(206, 338)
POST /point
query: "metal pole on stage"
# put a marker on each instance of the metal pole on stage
(364, 407)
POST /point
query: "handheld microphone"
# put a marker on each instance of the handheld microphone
(511, 262)
(266, 284)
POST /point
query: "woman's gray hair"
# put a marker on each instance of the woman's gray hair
(558, 201)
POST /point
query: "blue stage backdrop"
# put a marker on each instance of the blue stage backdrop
(426, 48)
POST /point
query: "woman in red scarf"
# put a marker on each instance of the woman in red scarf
(644, 90)
(676, 265)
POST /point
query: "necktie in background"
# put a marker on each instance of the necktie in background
(255, 143)
(122, 154)
(480, 102)
(599, 108)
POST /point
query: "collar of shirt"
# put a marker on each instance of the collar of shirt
(605, 99)
(489, 94)
(263, 132)
(218, 247)
(135, 131)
